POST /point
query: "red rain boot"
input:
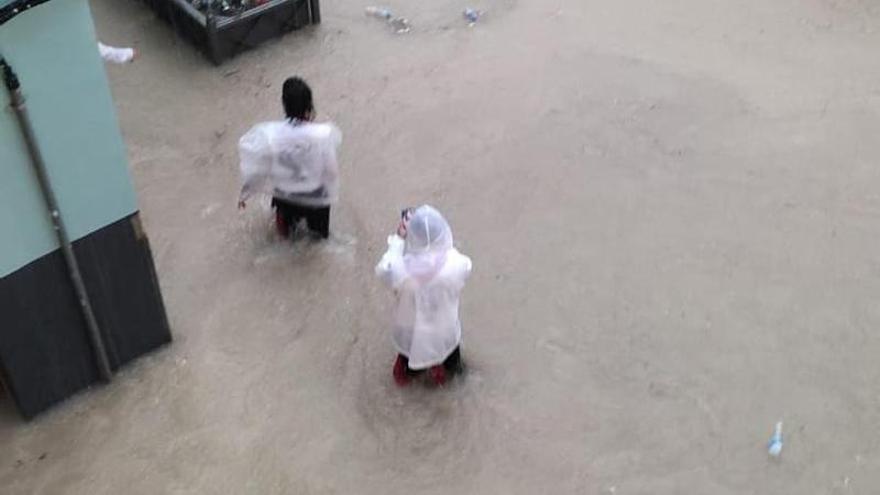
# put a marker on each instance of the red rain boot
(400, 377)
(281, 225)
(438, 374)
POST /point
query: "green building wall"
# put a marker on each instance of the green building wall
(53, 49)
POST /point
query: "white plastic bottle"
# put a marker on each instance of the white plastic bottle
(774, 446)
(379, 13)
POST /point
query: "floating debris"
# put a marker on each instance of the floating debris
(472, 15)
(774, 446)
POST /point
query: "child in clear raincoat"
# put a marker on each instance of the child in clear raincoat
(427, 275)
(294, 160)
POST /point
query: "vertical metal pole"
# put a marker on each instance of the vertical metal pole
(315, 8)
(17, 102)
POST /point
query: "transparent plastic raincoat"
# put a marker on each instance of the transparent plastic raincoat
(427, 275)
(291, 160)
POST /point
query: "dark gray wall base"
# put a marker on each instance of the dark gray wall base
(45, 354)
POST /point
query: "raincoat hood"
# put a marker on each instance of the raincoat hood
(428, 240)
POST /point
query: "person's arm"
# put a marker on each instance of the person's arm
(464, 267)
(390, 268)
(255, 164)
(250, 185)
(330, 178)
(468, 267)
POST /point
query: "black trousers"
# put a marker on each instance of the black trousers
(317, 218)
(452, 363)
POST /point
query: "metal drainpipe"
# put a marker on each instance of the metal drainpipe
(17, 102)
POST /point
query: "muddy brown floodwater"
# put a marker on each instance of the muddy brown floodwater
(673, 210)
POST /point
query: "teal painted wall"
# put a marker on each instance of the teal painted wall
(53, 49)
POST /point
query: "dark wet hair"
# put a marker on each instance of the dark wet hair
(296, 96)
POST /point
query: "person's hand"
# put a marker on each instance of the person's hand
(404, 220)
(401, 229)
(242, 205)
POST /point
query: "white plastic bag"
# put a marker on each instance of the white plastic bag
(116, 55)
(427, 274)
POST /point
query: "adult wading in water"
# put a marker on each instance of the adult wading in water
(294, 160)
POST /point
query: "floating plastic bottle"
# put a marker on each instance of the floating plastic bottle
(774, 446)
(471, 15)
(399, 24)
(379, 13)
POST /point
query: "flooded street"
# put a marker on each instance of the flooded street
(673, 210)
